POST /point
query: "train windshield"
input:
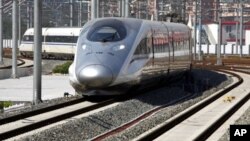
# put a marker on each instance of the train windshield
(107, 31)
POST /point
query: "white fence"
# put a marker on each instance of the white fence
(7, 43)
(229, 49)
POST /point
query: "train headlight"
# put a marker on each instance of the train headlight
(120, 47)
(85, 47)
(89, 72)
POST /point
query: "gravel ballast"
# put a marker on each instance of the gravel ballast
(98, 123)
(243, 120)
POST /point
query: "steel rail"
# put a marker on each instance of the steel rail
(24, 129)
(173, 122)
(39, 124)
(39, 111)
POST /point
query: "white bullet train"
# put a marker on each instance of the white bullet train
(114, 54)
(57, 43)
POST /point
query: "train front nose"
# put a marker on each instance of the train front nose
(95, 76)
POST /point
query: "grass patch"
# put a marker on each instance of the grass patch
(5, 104)
(63, 69)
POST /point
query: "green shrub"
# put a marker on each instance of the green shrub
(5, 104)
(63, 69)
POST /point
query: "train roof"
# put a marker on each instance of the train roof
(57, 31)
(134, 21)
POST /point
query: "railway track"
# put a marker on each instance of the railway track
(193, 124)
(155, 133)
(23, 63)
(13, 126)
(112, 132)
(22, 123)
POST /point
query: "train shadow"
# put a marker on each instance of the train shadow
(192, 84)
(197, 83)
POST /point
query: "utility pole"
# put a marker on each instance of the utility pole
(126, 7)
(20, 24)
(80, 15)
(184, 12)
(1, 32)
(199, 52)
(93, 9)
(71, 13)
(37, 79)
(97, 9)
(14, 39)
(237, 34)
(241, 26)
(195, 33)
(28, 15)
(122, 8)
(237, 25)
(219, 40)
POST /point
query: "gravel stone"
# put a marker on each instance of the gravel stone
(243, 120)
(29, 107)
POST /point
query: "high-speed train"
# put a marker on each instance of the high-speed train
(114, 54)
(56, 42)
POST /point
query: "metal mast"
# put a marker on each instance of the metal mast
(195, 33)
(219, 40)
(37, 82)
(14, 38)
(199, 52)
(71, 13)
(1, 32)
(241, 27)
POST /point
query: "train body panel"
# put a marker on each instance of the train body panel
(124, 51)
(56, 42)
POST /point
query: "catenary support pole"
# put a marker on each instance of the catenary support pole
(80, 15)
(126, 7)
(122, 8)
(97, 8)
(199, 52)
(1, 32)
(241, 27)
(19, 24)
(14, 38)
(237, 26)
(71, 13)
(37, 82)
(93, 9)
(195, 32)
(219, 41)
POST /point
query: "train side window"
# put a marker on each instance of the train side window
(28, 38)
(61, 39)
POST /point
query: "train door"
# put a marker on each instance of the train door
(143, 57)
(172, 47)
(153, 46)
(167, 45)
(160, 51)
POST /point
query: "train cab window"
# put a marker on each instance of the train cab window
(110, 30)
(105, 34)
(142, 48)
